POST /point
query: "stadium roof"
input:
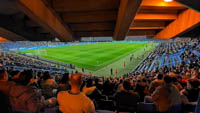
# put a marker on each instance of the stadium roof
(72, 19)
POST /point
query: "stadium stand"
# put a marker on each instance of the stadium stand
(169, 74)
(9, 50)
(170, 54)
(142, 38)
(166, 74)
(96, 39)
(17, 62)
(26, 44)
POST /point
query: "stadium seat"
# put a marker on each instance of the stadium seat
(51, 110)
(175, 109)
(189, 107)
(106, 104)
(146, 107)
(130, 106)
(104, 111)
(127, 109)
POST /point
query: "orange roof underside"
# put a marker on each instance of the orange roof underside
(3, 39)
(156, 15)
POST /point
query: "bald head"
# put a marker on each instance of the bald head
(76, 80)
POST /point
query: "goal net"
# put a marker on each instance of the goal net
(40, 52)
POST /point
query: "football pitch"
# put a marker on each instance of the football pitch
(95, 58)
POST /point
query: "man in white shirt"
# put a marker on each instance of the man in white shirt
(74, 101)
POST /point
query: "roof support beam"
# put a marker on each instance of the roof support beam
(148, 25)
(160, 11)
(127, 11)
(18, 27)
(10, 35)
(185, 21)
(39, 11)
(132, 28)
(145, 16)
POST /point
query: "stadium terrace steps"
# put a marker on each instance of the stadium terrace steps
(151, 67)
(179, 59)
(164, 60)
(141, 69)
(196, 53)
(147, 67)
(167, 62)
(173, 61)
(181, 51)
(150, 55)
(170, 62)
(161, 62)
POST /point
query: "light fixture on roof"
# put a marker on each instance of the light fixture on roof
(168, 0)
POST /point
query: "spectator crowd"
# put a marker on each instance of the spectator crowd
(173, 89)
(14, 60)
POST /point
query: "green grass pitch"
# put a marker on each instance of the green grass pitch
(94, 57)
